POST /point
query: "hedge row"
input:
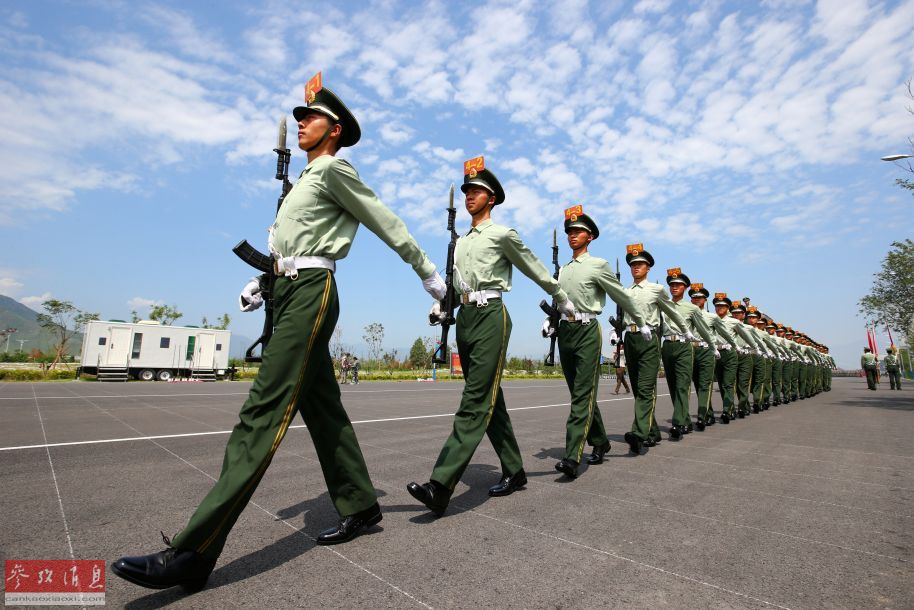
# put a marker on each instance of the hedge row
(36, 375)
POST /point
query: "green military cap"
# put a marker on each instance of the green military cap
(324, 101)
(699, 290)
(575, 218)
(476, 174)
(676, 276)
(636, 253)
(720, 298)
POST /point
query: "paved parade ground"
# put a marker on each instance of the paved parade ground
(808, 505)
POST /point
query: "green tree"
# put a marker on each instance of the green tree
(420, 354)
(165, 314)
(221, 324)
(374, 339)
(134, 316)
(891, 299)
(63, 320)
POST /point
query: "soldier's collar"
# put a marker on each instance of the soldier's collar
(580, 258)
(479, 228)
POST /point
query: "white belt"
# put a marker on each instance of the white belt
(724, 347)
(700, 344)
(674, 338)
(581, 316)
(480, 297)
(289, 265)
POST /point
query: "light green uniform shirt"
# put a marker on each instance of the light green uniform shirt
(719, 330)
(891, 360)
(588, 279)
(322, 213)
(486, 255)
(738, 332)
(651, 298)
(694, 322)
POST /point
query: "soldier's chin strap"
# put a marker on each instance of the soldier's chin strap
(323, 139)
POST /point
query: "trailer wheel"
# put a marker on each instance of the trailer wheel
(146, 375)
(164, 375)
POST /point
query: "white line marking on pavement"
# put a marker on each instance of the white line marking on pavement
(624, 558)
(299, 426)
(185, 394)
(63, 514)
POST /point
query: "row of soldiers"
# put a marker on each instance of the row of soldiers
(314, 230)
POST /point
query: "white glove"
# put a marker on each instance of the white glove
(566, 308)
(716, 354)
(548, 329)
(758, 352)
(436, 316)
(645, 332)
(435, 286)
(250, 297)
(690, 337)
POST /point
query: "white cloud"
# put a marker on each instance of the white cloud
(34, 302)
(142, 303)
(10, 286)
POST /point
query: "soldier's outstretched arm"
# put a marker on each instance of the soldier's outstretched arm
(610, 284)
(528, 264)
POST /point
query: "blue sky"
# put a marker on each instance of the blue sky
(739, 141)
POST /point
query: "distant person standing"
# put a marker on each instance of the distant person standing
(891, 368)
(356, 365)
(619, 363)
(869, 363)
(344, 369)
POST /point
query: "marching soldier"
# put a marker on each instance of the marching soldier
(704, 369)
(483, 260)
(745, 363)
(642, 346)
(587, 280)
(786, 364)
(678, 351)
(313, 230)
(759, 361)
(727, 368)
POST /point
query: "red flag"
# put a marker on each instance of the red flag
(891, 341)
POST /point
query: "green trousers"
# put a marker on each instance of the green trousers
(482, 342)
(703, 379)
(677, 366)
(296, 376)
(775, 392)
(795, 380)
(642, 356)
(870, 376)
(769, 378)
(894, 377)
(758, 380)
(803, 378)
(579, 348)
(725, 372)
(744, 380)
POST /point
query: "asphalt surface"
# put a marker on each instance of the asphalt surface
(808, 505)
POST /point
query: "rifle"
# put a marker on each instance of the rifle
(449, 302)
(616, 322)
(264, 262)
(552, 310)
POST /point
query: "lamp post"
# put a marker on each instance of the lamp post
(21, 341)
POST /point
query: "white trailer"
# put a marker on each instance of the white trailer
(115, 350)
